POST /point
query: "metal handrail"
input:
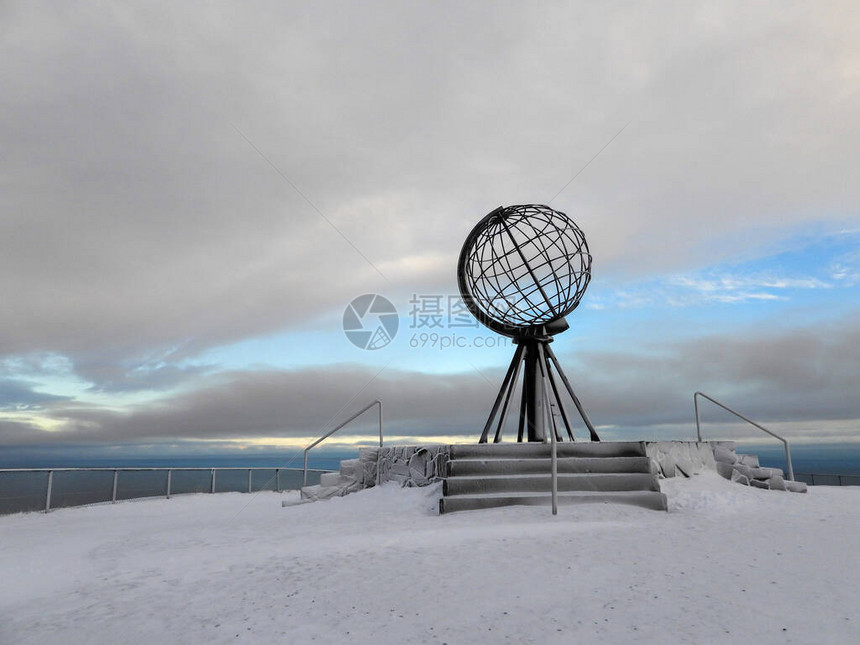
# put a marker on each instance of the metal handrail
(838, 476)
(137, 468)
(330, 433)
(165, 469)
(740, 416)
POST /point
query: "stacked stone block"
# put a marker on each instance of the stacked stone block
(745, 469)
(682, 458)
(407, 465)
(686, 458)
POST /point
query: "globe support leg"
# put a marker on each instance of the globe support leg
(533, 384)
(539, 391)
(573, 396)
(561, 407)
(511, 387)
(507, 387)
(521, 424)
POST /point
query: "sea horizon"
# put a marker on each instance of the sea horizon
(824, 458)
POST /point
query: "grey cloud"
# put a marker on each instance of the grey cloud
(160, 372)
(285, 404)
(800, 375)
(136, 218)
(21, 394)
(19, 433)
(138, 227)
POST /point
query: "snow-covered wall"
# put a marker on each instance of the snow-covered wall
(423, 465)
(685, 458)
(408, 465)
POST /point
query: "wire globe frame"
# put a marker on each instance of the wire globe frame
(522, 268)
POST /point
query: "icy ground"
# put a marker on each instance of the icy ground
(726, 564)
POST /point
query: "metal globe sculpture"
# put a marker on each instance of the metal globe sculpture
(521, 270)
(523, 267)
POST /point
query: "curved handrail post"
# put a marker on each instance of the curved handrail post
(698, 423)
(750, 421)
(330, 433)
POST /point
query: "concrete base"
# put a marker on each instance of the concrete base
(486, 475)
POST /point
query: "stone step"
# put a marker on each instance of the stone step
(748, 460)
(350, 467)
(319, 492)
(646, 499)
(795, 487)
(334, 479)
(543, 483)
(540, 465)
(758, 473)
(563, 449)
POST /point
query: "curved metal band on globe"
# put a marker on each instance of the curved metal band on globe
(523, 268)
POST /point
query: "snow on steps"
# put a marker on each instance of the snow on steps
(645, 499)
(464, 467)
(492, 475)
(509, 482)
(347, 480)
(686, 458)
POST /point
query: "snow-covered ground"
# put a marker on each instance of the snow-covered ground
(726, 564)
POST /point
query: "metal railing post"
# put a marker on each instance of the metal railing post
(115, 478)
(278, 480)
(249, 480)
(169, 476)
(698, 422)
(788, 460)
(554, 470)
(543, 366)
(212, 490)
(48, 494)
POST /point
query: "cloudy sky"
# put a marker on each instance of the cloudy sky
(192, 193)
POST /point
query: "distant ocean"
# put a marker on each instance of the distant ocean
(841, 458)
(825, 459)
